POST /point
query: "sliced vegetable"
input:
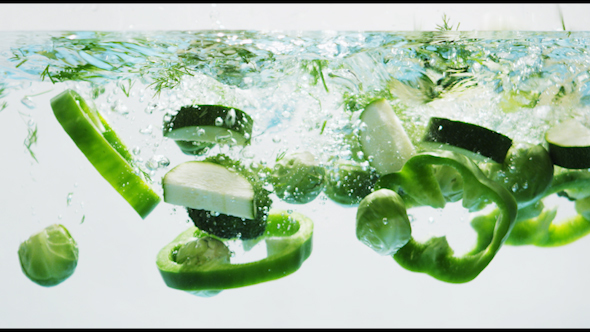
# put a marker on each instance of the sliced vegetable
(382, 222)
(435, 257)
(383, 140)
(476, 142)
(222, 197)
(288, 241)
(298, 178)
(105, 151)
(210, 123)
(542, 230)
(569, 144)
(50, 256)
(206, 185)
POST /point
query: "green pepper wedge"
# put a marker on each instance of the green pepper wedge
(541, 231)
(416, 183)
(288, 238)
(103, 148)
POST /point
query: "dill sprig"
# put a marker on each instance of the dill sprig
(446, 26)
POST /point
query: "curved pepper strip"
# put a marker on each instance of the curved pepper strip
(288, 240)
(435, 257)
(541, 231)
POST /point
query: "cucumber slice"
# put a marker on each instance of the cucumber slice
(208, 186)
(194, 147)
(103, 148)
(476, 142)
(210, 123)
(569, 144)
(384, 140)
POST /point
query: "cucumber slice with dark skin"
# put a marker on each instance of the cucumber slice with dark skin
(569, 145)
(478, 142)
(210, 123)
(103, 148)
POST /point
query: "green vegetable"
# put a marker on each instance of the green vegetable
(569, 144)
(417, 183)
(222, 197)
(347, 183)
(298, 178)
(526, 172)
(210, 123)
(288, 240)
(541, 230)
(382, 222)
(383, 138)
(477, 142)
(50, 256)
(103, 148)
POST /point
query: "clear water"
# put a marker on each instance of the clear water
(305, 91)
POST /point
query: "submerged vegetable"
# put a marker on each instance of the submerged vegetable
(543, 230)
(435, 257)
(527, 172)
(347, 183)
(298, 178)
(103, 148)
(50, 256)
(222, 196)
(187, 264)
(382, 222)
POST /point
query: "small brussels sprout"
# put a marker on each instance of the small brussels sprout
(526, 172)
(382, 222)
(201, 251)
(347, 183)
(50, 256)
(298, 178)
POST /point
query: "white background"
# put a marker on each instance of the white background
(343, 283)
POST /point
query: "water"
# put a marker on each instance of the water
(305, 92)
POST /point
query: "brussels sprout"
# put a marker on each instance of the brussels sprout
(382, 222)
(526, 172)
(201, 251)
(347, 183)
(298, 178)
(50, 256)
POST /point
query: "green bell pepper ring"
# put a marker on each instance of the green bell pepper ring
(435, 257)
(288, 238)
(103, 148)
(541, 231)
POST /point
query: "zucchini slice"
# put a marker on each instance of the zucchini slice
(476, 142)
(569, 144)
(209, 186)
(210, 123)
(103, 148)
(384, 140)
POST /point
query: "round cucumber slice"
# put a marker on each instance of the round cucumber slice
(569, 144)
(384, 140)
(476, 142)
(210, 123)
(103, 148)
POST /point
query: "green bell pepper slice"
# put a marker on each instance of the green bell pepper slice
(105, 151)
(417, 185)
(540, 230)
(288, 238)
